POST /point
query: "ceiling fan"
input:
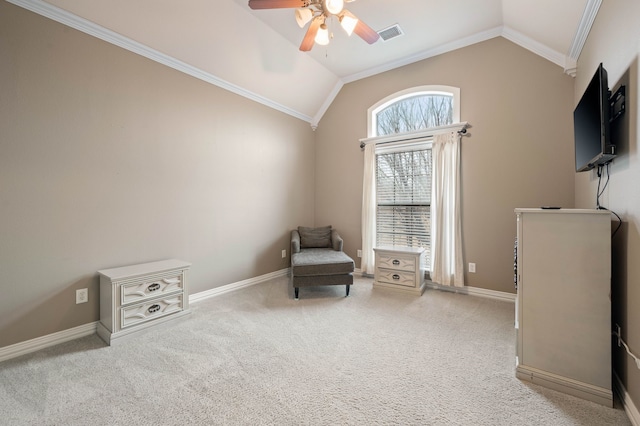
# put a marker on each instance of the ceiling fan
(318, 12)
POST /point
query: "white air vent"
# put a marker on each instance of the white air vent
(391, 32)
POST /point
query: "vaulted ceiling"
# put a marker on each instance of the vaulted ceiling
(255, 52)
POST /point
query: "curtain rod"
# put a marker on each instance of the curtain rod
(460, 127)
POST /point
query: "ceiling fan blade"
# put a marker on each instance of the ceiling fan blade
(366, 32)
(277, 4)
(309, 37)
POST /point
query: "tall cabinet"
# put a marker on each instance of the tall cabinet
(563, 306)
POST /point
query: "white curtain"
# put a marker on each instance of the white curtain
(447, 267)
(367, 262)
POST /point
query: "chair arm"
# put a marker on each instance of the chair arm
(295, 241)
(336, 240)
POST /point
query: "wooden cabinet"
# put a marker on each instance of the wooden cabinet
(133, 298)
(400, 268)
(563, 307)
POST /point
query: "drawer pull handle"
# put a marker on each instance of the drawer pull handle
(396, 277)
(154, 308)
(396, 262)
(154, 287)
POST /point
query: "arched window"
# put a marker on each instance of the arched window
(401, 178)
(414, 109)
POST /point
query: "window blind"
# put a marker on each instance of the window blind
(403, 197)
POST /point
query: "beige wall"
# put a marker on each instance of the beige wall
(109, 159)
(613, 40)
(519, 152)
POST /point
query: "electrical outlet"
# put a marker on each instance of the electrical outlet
(359, 253)
(82, 295)
(619, 335)
(284, 254)
(472, 267)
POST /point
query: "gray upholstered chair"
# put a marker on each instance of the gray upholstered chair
(317, 259)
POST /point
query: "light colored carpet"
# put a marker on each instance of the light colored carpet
(256, 356)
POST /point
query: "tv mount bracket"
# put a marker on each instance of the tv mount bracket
(617, 104)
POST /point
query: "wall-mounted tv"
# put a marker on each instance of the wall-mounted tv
(591, 124)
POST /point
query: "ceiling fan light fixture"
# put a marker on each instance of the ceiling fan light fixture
(316, 13)
(303, 16)
(322, 37)
(334, 6)
(348, 22)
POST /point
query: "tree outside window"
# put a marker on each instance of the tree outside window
(415, 113)
(403, 176)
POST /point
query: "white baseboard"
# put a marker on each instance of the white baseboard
(629, 407)
(49, 340)
(43, 342)
(475, 291)
(203, 295)
(471, 291)
(53, 339)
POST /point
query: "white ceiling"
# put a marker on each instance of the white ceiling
(255, 52)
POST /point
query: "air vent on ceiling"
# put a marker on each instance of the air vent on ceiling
(391, 32)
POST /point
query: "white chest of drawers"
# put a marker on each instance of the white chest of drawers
(400, 268)
(136, 297)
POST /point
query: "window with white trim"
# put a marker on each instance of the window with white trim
(403, 196)
(403, 164)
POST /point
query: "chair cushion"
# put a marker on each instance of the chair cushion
(315, 280)
(315, 237)
(318, 261)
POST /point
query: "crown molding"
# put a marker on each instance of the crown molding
(516, 37)
(567, 62)
(69, 19)
(535, 47)
(584, 27)
(509, 33)
(326, 104)
(429, 53)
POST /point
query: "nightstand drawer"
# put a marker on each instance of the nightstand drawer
(136, 297)
(152, 309)
(400, 268)
(407, 279)
(397, 262)
(151, 288)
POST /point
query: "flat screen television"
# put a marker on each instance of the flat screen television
(591, 124)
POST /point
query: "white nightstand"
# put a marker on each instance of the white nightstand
(400, 268)
(136, 297)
